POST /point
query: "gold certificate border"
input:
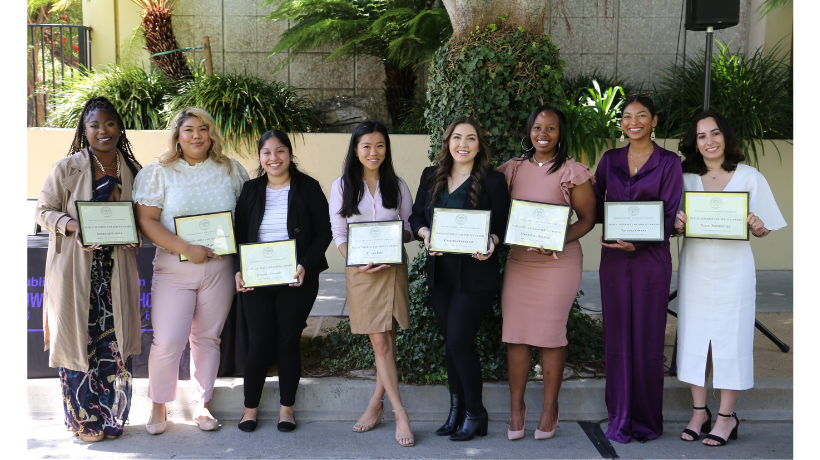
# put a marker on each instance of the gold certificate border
(458, 210)
(688, 234)
(92, 204)
(292, 243)
(658, 203)
(536, 204)
(231, 250)
(383, 223)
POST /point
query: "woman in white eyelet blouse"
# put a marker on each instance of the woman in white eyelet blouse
(191, 300)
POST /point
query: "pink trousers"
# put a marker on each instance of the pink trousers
(190, 302)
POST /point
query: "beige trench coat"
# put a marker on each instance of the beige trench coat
(67, 288)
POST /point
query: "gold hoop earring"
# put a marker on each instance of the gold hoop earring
(178, 149)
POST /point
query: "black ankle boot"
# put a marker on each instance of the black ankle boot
(455, 418)
(474, 424)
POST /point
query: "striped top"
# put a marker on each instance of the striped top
(274, 226)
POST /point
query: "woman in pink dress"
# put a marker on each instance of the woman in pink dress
(540, 285)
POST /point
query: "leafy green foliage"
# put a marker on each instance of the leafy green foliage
(592, 120)
(137, 95)
(583, 81)
(403, 31)
(497, 76)
(245, 107)
(769, 5)
(420, 349)
(752, 91)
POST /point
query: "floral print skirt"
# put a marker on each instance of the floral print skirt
(99, 399)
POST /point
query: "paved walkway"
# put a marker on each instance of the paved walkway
(330, 440)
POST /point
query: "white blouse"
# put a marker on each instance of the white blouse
(180, 189)
(274, 225)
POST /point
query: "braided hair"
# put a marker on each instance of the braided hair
(80, 141)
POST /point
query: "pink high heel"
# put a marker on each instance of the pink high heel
(513, 435)
(547, 434)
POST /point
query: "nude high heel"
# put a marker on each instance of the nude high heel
(547, 434)
(513, 435)
(158, 428)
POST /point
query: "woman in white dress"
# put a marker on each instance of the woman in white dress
(716, 280)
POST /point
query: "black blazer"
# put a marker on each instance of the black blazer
(475, 275)
(308, 219)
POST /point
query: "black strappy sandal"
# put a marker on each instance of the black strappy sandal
(705, 428)
(732, 435)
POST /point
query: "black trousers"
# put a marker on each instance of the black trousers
(275, 317)
(459, 315)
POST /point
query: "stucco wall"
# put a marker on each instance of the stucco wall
(321, 156)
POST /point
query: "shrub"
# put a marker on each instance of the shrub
(593, 122)
(137, 95)
(572, 84)
(497, 76)
(245, 107)
(420, 349)
(752, 91)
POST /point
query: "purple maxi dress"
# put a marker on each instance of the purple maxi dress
(635, 295)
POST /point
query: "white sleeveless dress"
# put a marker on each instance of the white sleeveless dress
(716, 292)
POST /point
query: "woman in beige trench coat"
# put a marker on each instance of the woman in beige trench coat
(91, 318)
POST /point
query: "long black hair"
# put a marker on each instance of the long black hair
(688, 146)
(645, 101)
(80, 140)
(562, 152)
(282, 137)
(353, 173)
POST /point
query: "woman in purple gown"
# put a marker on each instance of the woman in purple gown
(635, 278)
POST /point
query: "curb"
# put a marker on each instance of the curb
(341, 399)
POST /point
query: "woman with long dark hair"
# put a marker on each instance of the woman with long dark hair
(377, 296)
(281, 203)
(716, 280)
(95, 289)
(540, 286)
(462, 287)
(635, 277)
(191, 299)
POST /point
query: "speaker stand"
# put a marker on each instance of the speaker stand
(710, 35)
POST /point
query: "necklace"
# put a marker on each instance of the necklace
(715, 176)
(103, 168)
(636, 163)
(541, 163)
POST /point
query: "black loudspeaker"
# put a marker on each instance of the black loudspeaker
(718, 14)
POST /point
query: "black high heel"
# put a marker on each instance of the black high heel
(732, 435)
(473, 424)
(455, 417)
(705, 428)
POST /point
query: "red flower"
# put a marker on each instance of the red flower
(63, 39)
(76, 48)
(64, 17)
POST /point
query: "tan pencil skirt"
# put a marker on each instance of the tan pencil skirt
(374, 299)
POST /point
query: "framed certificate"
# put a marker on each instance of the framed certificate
(214, 231)
(460, 231)
(107, 223)
(31, 225)
(268, 264)
(532, 224)
(377, 242)
(716, 215)
(633, 221)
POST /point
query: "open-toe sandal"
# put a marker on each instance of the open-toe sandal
(367, 427)
(399, 439)
(705, 428)
(733, 435)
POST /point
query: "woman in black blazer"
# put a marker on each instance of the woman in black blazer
(462, 288)
(282, 203)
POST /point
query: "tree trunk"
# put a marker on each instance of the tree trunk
(465, 15)
(399, 90)
(159, 37)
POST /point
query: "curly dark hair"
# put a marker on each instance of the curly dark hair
(445, 161)
(80, 141)
(688, 146)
